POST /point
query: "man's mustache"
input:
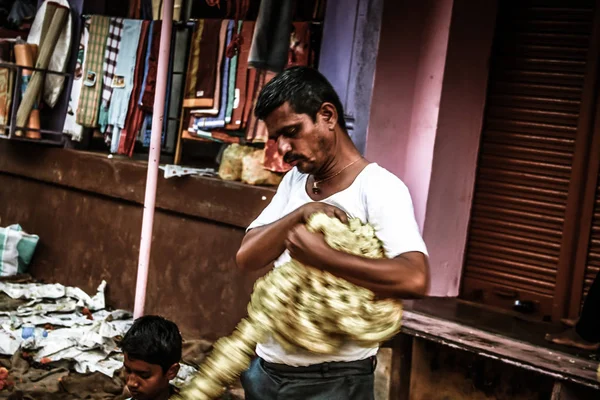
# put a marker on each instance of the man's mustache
(290, 158)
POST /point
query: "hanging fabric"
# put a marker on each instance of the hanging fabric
(53, 84)
(204, 62)
(123, 80)
(205, 123)
(111, 53)
(147, 98)
(135, 114)
(89, 100)
(71, 126)
(271, 39)
(233, 66)
(214, 110)
(241, 79)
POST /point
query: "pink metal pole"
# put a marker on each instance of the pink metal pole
(153, 158)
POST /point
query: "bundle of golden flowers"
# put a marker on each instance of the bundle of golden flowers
(304, 308)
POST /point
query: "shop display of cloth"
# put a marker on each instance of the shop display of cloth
(91, 91)
(113, 43)
(124, 79)
(271, 39)
(219, 88)
(53, 84)
(71, 127)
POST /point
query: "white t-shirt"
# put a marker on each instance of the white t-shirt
(376, 196)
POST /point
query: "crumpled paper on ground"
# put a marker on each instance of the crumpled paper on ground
(83, 331)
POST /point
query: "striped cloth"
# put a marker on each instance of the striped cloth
(89, 99)
(16, 250)
(232, 76)
(113, 43)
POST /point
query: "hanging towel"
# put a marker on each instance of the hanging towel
(89, 99)
(123, 81)
(113, 43)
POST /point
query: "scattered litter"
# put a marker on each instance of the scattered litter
(82, 330)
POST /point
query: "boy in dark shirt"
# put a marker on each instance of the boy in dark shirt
(152, 350)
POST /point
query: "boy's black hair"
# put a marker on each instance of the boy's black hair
(305, 89)
(155, 340)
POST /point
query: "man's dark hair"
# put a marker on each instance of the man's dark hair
(305, 89)
(154, 340)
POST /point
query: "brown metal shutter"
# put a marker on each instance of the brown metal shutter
(592, 266)
(527, 147)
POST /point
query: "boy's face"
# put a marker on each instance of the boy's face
(147, 381)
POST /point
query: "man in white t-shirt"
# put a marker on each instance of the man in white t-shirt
(304, 114)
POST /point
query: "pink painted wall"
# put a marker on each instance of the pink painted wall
(395, 77)
(407, 90)
(457, 141)
(426, 115)
(426, 104)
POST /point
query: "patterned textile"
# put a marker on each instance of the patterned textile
(113, 43)
(89, 99)
(126, 63)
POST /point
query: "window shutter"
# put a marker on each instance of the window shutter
(526, 155)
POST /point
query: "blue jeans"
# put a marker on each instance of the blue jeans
(328, 381)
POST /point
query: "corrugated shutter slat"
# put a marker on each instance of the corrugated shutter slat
(526, 152)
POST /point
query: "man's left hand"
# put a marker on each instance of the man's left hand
(307, 247)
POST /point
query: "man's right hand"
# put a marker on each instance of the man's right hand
(261, 246)
(315, 207)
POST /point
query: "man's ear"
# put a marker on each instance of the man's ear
(329, 114)
(172, 371)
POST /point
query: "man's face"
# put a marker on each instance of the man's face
(302, 142)
(147, 381)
